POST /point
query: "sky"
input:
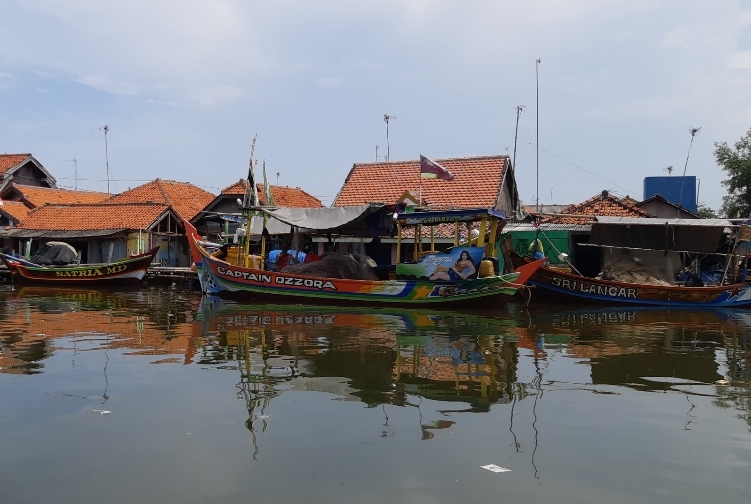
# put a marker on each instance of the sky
(185, 85)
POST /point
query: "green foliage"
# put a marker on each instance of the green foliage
(705, 212)
(736, 162)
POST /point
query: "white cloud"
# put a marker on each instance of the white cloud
(6, 80)
(102, 83)
(209, 96)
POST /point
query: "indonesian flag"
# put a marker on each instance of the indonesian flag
(431, 169)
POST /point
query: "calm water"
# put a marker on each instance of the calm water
(159, 396)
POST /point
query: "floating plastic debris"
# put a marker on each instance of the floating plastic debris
(722, 382)
(495, 468)
(101, 411)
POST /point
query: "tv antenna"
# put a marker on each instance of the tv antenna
(75, 172)
(106, 129)
(277, 178)
(693, 131)
(519, 110)
(387, 118)
(669, 169)
(376, 153)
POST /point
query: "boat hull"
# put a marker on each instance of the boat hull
(219, 277)
(554, 285)
(130, 270)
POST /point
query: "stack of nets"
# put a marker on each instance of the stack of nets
(627, 269)
(335, 265)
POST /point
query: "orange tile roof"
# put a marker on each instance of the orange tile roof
(99, 216)
(15, 209)
(283, 195)
(185, 198)
(604, 204)
(477, 183)
(628, 200)
(38, 196)
(8, 161)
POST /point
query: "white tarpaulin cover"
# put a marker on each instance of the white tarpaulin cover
(343, 220)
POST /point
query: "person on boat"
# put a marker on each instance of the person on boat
(461, 270)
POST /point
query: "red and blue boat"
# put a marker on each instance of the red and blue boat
(460, 277)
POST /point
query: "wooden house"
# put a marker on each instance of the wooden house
(479, 182)
(23, 169)
(104, 231)
(568, 230)
(219, 217)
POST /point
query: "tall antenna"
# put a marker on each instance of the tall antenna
(537, 80)
(519, 110)
(75, 172)
(106, 129)
(693, 131)
(386, 118)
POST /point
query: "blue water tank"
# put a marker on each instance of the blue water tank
(677, 190)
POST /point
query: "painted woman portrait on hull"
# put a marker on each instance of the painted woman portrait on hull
(462, 269)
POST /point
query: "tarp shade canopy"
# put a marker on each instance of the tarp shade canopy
(677, 235)
(342, 220)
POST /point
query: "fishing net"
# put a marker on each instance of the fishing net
(631, 270)
(55, 253)
(335, 265)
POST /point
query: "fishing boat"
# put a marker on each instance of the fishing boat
(129, 270)
(639, 238)
(462, 276)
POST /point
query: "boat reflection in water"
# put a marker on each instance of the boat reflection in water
(551, 394)
(379, 356)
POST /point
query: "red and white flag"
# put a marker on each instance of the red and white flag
(431, 169)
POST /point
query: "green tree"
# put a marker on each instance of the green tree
(705, 212)
(736, 162)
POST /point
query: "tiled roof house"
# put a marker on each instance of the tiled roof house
(185, 198)
(97, 228)
(604, 204)
(36, 196)
(284, 196)
(208, 222)
(97, 217)
(12, 213)
(23, 169)
(479, 182)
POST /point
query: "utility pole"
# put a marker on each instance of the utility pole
(537, 79)
(386, 118)
(75, 172)
(106, 129)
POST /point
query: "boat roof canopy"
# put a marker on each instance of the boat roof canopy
(343, 220)
(679, 235)
(433, 218)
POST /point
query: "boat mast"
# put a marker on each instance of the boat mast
(537, 79)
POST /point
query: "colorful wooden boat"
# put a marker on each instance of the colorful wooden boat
(130, 270)
(556, 285)
(413, 287)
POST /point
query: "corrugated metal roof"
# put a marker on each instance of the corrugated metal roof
(526, 226)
